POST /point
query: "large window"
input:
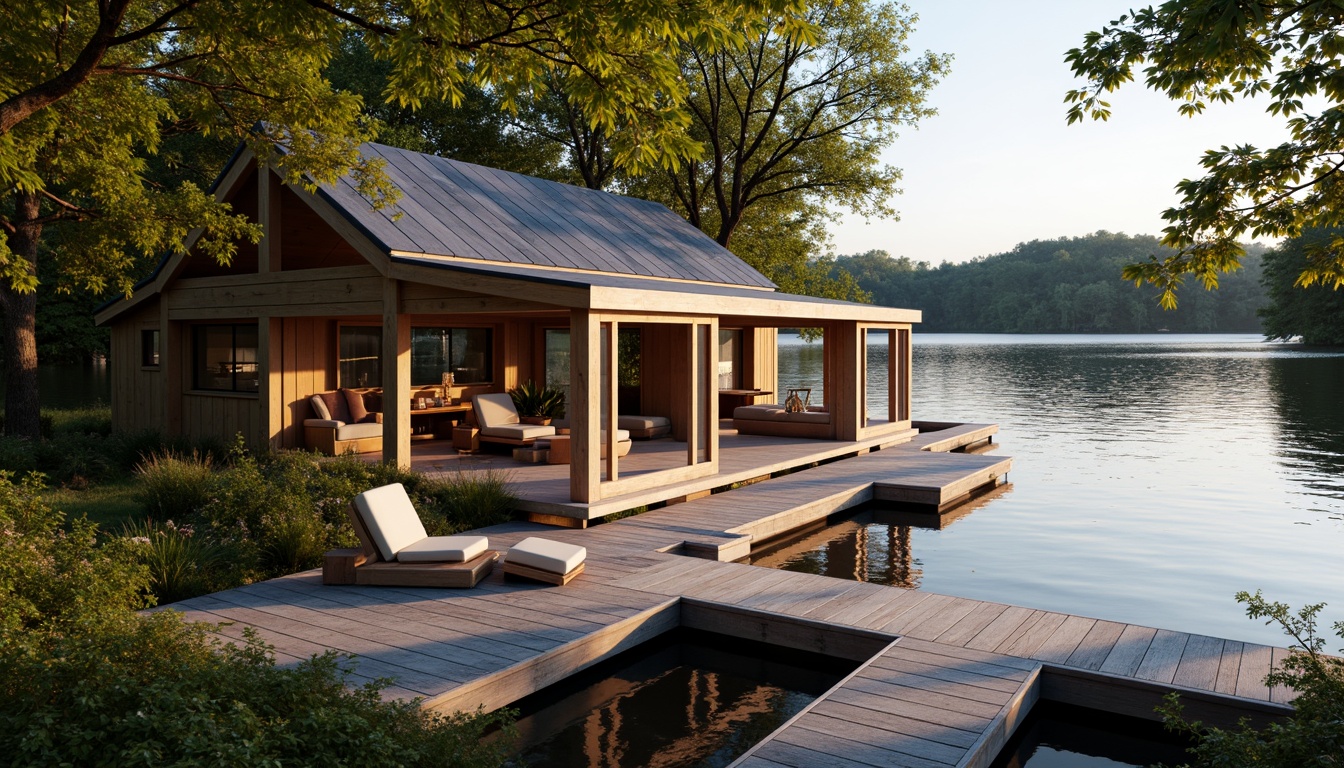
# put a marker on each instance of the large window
(360, 358)
(730, 358)
(630, 342)
(557, 359)
(224, 358)
(466, 352)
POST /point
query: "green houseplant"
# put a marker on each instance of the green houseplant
(537, 405)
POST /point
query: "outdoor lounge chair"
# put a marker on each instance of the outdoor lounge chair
(499, 422)
(395, 549)
(552, 562)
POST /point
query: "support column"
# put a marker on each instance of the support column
(847, 413)
(396, 378)
(270, 375)
(171, 352)
(584, 409)
(612, 396)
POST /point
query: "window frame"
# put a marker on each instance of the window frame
(151, 349)
(196, 359)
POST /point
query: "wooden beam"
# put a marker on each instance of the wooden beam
(268, 216)
(585, 386)
(711, 395)
(171, 352)
(894, 370)
(779, 307)
(270, 390)
(906, 375)
(553, 295)
(396, 378)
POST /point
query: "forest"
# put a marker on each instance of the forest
(1063, 285)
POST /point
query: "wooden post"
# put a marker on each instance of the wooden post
(270, 373)
(846, 414)
(906, 374)
(693, 396)
(613, 396)
(894, 370)
(268, 216)
(171, 352)
(584, 410)
(711, 404)
(396, 378)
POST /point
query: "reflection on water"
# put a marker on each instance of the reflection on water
(72, 385)
(1057, 736)
(682, 699)
(1154, 476)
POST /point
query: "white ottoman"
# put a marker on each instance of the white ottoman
(552, 562)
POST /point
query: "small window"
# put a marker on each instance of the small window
(149, 348)
(225, 358)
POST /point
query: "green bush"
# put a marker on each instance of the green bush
(181, 564)
(467, 500)
(89, 682)
(175, 486)
(54, 574)
(1313, 737)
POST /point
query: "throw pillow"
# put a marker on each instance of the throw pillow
(320, 408)
(355, 402)
(336, 405)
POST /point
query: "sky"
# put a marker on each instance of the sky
(999, 166)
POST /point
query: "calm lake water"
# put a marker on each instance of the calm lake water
(1153, 477)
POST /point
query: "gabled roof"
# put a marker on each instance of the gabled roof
(451, 208)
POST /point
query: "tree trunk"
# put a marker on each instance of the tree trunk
(20, 323)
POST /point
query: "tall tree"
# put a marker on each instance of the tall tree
(1316, 313)
(792, 128)
(88, 89)
(1203, 51)
(475, 129)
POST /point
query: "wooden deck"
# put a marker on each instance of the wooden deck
(946, 679)
(545, 489)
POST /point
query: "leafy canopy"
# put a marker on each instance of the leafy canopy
(1199, 52)
(1315, 314)
(89, 89)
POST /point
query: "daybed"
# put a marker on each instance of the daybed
(499, 421)
(773, 420)
(395, 549)
(644, 427)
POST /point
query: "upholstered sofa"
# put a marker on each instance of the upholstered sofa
(342, 422)
(771, 419)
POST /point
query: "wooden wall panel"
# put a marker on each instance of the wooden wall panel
(663, 375)
(137, 391)
(221, 416)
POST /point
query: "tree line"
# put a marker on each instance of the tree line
(1062, 285)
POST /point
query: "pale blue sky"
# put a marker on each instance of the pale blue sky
(998, 166)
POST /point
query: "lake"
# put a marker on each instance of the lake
(1153, 476)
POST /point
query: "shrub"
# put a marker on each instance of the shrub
(181, 565)
(468, 500)
(1313, 735)
(87, 681)
(51, 576)
(175, 486)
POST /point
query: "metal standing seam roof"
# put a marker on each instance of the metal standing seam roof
(452, 208)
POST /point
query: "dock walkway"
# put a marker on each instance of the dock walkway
(945, 685)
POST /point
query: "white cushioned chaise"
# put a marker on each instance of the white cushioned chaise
(774, 420)
(395, 528)
(499, 422)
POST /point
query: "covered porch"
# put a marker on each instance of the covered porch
(543, 489)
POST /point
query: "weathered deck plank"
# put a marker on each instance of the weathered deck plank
(947, 693)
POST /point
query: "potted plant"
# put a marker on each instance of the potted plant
(537, 405)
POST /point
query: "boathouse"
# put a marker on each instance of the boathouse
(495, 278)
